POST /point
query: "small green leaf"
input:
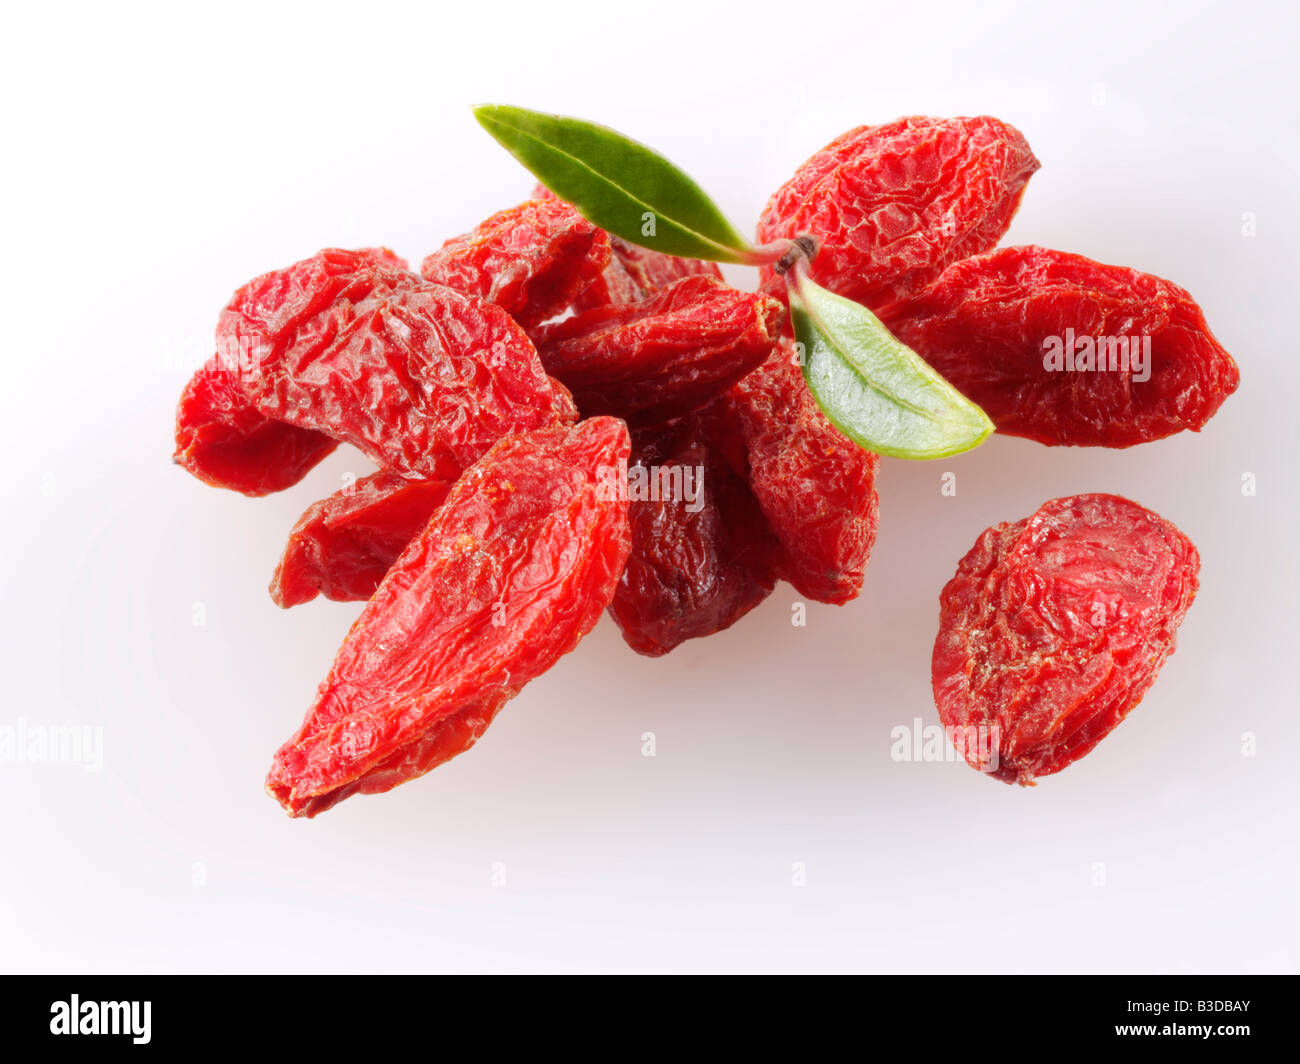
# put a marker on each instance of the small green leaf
(618, 184)
(878, 392)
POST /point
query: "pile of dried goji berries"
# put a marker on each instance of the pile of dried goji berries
(566, 423)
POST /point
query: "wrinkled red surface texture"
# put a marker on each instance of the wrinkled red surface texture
(224, 440)
(894, 204)
(419, 377)
(782, 494)
(635, 273)
(665, 356)
(816, 487)
(511, 572)
(697, 564)
(531, 260)
(1054, 628)
(984, 324)
(342, 546)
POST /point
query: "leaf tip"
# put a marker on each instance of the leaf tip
(982, 426)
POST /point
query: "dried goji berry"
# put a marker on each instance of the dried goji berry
(421, 378)
(614, 287)
(665, 356)
(514, 568)
(653, 271)
(225, 441)
(1054, 628)
(530, 260)
(342, 546)
(702, 555)
(815, 486)
(636, 273)
(992, 324)
(892, 205)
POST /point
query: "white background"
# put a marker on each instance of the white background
(157, 157)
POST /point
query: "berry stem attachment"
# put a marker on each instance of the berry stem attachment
(801, 249)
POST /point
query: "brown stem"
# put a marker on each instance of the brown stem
(803, 247)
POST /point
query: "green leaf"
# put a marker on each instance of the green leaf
(618, 184)
(878, 392)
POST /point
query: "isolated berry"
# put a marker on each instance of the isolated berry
(1054, 628)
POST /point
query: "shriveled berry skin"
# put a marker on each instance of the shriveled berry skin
(816, 487)
(224, 440)
(636, 273)
(512, 571)
(343, 545)
(419, 377)
(531, 260)
(633, 273)
(665, 356)
(893, 204)
(986, 324)
(695, 567)
(1054, 628)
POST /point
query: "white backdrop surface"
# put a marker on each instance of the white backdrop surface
(157, 157)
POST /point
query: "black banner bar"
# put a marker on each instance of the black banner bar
(343, 1013)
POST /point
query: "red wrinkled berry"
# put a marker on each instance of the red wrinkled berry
(892, 205)
(419, 377)
(815, 486)
(702, 555)
(1054, 628)
(514, 568)
(224, 440)
(531, 260)
(990, 324)
(342, 546)
(663, 357)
